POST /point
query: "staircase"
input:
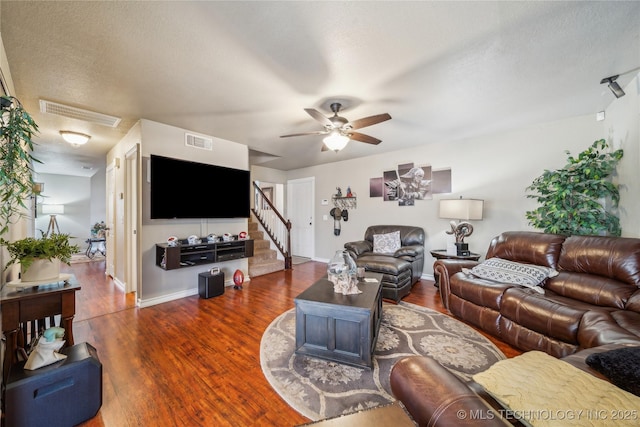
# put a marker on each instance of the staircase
(264, 260)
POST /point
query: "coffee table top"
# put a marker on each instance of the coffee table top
(322, 292)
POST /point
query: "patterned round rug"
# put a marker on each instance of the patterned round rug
(320, 388)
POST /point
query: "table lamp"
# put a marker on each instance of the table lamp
(463, 210)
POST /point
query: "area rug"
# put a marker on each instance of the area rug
(320, 389)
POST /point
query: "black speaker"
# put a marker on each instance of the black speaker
(210, 284)
(63, 394)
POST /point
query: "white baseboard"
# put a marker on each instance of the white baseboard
(142, 303)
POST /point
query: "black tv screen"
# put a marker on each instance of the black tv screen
(184, 189)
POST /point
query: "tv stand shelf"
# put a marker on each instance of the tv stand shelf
(186, 255)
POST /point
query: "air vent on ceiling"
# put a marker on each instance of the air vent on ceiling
(78, 113)
(197, 141)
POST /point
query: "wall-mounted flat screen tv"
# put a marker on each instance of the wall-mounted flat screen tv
(184, 189)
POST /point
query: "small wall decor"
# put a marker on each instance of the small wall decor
(341, 205)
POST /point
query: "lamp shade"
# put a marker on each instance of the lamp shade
(335, 141)
(463, 209)
(52, 209)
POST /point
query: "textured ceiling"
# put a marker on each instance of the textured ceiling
(245, 71)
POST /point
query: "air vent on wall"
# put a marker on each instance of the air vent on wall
(197, 141)
(78, 113)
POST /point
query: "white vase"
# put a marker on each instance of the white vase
(42, 270)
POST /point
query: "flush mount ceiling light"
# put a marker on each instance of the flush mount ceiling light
(75, 138)
(336, 141)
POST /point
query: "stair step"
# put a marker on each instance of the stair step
(256, 235)
(265, 267)
(263, 254)
(261, 244)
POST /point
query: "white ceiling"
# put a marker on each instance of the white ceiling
(245, 71)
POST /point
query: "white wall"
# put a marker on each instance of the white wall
(622, 130)
(496, 168)
(158, 285)
(74, 192)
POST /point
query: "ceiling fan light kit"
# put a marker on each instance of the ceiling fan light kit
(335, 141)
(339, 130)
(75, 138)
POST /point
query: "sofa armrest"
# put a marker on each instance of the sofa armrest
(409, 251)
(436, 397)
(359, 247)
(444, 269)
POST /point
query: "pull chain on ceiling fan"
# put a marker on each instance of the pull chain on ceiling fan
(339, 130)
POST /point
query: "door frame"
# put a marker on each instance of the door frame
(132, 225)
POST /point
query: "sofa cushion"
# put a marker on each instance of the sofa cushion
(505, 271)
(484, 293)
(528, 384)
(550, 314)
(527, 247)
(592, 289)
(611, 257)
(620, 366)
(383, 264)
(386, 243)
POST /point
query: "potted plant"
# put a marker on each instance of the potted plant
(16, 174)
(574, 200)
(40, 258)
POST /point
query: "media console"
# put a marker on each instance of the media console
(186, 255)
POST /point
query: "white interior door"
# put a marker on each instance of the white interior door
(300, 209)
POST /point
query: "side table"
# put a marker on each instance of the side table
(442, 254)
(96, 244)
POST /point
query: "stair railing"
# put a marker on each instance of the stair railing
(278, 228)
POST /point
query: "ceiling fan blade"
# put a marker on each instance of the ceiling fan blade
(319, 116)
(324, 147)
(357, 136)
(320, 132)
(368, 121)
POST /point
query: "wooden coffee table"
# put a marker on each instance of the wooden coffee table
(341, 328)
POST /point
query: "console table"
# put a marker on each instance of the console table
(25, 305)
(342, 328)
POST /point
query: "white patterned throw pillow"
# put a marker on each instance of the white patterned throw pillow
(504, 271)
(386, 243)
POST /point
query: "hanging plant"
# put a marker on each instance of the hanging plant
(579, 198)
(16, 162)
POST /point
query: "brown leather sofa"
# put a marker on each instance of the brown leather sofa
(437, 398)
(400, 270)
(594, 299)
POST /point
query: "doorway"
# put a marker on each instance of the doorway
(300, 210)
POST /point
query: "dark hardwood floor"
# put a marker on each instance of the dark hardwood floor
(194, 362)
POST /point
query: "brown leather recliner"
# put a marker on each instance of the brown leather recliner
(436, 397)
(400, 270)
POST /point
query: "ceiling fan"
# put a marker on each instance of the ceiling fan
(340, 130)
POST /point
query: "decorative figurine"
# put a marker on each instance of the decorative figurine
(238, 279)
(349, 193)
(339, 193)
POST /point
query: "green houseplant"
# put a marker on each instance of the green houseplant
(574, 199)
(16, 174)
(26, 251)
